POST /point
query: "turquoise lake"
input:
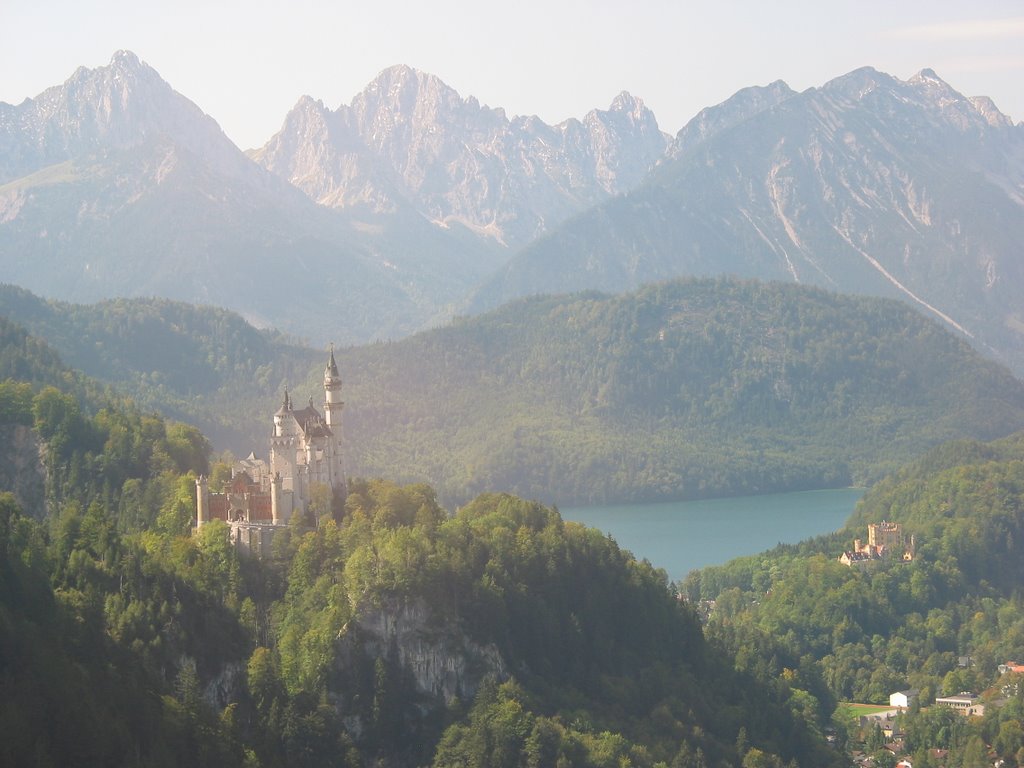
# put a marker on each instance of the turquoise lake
(681, 536)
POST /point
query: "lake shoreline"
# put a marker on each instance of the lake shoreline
(688, 535)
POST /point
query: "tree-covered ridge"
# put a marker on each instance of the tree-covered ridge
(602, 664)
(127, 640)
(868, 632)
(106, 609)
(684, 389)
(27, 363)
(201, 364)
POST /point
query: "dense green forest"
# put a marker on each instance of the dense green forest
(125, 639)
(687, 389)
(941, 623)
(203, 365)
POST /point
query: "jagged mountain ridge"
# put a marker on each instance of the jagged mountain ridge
(410, 137)
(868, 184)
(115, 185)
(111, 108)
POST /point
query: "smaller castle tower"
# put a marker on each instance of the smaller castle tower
(202, 502)
(333, 404)
(280, 416)
(333, 407)
(275, 499)
(885, 535)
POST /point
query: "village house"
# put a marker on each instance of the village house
(964, 702)
(903, 699)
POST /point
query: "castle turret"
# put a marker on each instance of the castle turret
(333, 404)
(275, 499)
(202, 502)
(333, 407)
(279, 417)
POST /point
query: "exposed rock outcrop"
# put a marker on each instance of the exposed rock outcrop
(408, 139)
(445, 664)
(22, 471)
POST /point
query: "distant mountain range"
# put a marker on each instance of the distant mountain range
(114, 185)
(410, 139)
(413, 203)
(866, 185)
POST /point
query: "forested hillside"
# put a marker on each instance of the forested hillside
(200, 364)
(398, 635)
(941, 623)
(681, 390)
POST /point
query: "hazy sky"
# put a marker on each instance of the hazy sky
(247, 63)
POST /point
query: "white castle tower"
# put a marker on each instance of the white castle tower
(305, 452)
(305, 447)
(333, 406)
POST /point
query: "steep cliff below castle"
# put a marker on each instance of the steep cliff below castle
(22, 471)
(442, 662)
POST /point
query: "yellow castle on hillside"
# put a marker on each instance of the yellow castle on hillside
(886, 541)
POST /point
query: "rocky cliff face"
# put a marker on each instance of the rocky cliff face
(743, 105)
(444, 665)
(409, 139)
(22, 469)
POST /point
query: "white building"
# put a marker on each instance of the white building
(305, 451)
(903, 699)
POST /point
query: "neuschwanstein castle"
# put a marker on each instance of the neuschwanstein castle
(305, 451)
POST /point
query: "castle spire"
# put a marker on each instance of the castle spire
(332, 366)
(333, 404)
(333, 407)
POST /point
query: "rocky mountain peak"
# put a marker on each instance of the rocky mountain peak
(116, 107)
(988, 110)
(127, 61)
(124, 73)
(400, 89)
(306, 125)
(924, 101)
(410, 139)
(626, 112)
(309, 105)
(965, 114)
(98, 100)
(629, 104)
(857, 84)
(739, 107)
(926, 81)
(624, 142)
